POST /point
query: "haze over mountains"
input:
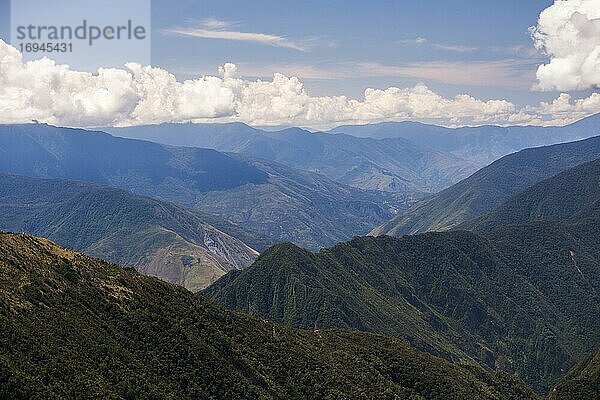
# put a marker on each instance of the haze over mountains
(489, 187)
(480, 144)
(456, 293)
(271, 199)
(395, 165)
(391, 156)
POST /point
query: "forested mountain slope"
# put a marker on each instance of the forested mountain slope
(180, 245)
(570, 196)
(489, 187)
(76, 327)
(525, 299)
(582, 382)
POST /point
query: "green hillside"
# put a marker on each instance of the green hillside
(581, 383)
(183, 246)
(570, 196)
(514, 302)
(489, 187)
(522, 298)
(76, 327)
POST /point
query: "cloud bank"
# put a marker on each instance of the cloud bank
(569, 32)
(47, 92)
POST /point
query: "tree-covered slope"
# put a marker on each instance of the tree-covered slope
(76, 327)
(180, 245)
(582, 382)
(489, 187)
(571, 196)
(526, 299)
(275, 200)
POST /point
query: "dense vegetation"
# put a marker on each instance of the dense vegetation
(489, 187)
(158, 238)
(523, 298)
(570, 196)
(515, 302)
(582, 382)
(261, 196)
(76, 327)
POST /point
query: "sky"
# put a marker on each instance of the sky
(338, 37)
(319, 64)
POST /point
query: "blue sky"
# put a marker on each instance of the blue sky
(340, 34)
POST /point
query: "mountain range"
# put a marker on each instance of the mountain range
(489, 187)
(390, 156)
(521, 298)
(512, 286)
(276, 201)
(395, 165)
(480, 144)
(76, 327)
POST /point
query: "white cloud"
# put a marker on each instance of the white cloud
(455, 48)
(569, 33)
(564, 109)
(417, 40)
(217, 29)
(213, 23)
(55, 94)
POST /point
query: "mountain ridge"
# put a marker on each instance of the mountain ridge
(520, 294)
(485, 143)
(158, 238)
(568, 196)
(73, 326)
(489, 187)
(446, 293)
(395, 165)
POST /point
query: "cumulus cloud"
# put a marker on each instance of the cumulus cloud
(565, 109)
(569, 33)
(137, 94)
